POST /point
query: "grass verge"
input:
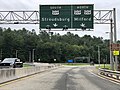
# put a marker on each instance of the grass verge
(26, 65)
(76, 64)
(106, 66)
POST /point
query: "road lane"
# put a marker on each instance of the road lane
(80, 81)
(65, 78)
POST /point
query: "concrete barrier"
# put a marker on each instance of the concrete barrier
(15, 73)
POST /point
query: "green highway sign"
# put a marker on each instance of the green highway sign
(82, 16)
(70, 16)
(55, 16)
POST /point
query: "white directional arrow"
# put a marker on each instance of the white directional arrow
(82, 25)
(55, 24)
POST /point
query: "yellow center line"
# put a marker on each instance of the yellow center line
(16, 80)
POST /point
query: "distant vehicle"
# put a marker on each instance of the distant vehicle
(11, 63)
(92, 63)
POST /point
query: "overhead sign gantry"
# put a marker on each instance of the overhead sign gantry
(80, 18)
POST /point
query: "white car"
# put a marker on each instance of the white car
(11, 62)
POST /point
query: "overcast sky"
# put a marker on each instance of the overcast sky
(99, 30)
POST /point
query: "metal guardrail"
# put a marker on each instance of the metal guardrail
(110, 73)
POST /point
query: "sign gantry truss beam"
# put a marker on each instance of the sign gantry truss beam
(19, 17)
(32, 17)
(103, 16)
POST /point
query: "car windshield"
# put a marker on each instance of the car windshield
(8, 61)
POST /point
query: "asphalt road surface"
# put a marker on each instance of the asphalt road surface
(65, 78)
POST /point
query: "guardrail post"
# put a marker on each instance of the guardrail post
(117, 77)
(111, 75)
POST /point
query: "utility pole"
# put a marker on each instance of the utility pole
(99, 56)
(16, 53)
(30, 56)
(33, 55)
(106, 59)
(89, 58)
(1, 54)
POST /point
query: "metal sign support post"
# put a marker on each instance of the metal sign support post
(99, 56)
(115, 37)
(111, 41)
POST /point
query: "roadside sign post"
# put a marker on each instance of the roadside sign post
(115, 48)
(70, 61)
(115, 53)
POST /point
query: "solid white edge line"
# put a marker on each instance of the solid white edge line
(104, 78)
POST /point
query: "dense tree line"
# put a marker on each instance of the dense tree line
(49, 47)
